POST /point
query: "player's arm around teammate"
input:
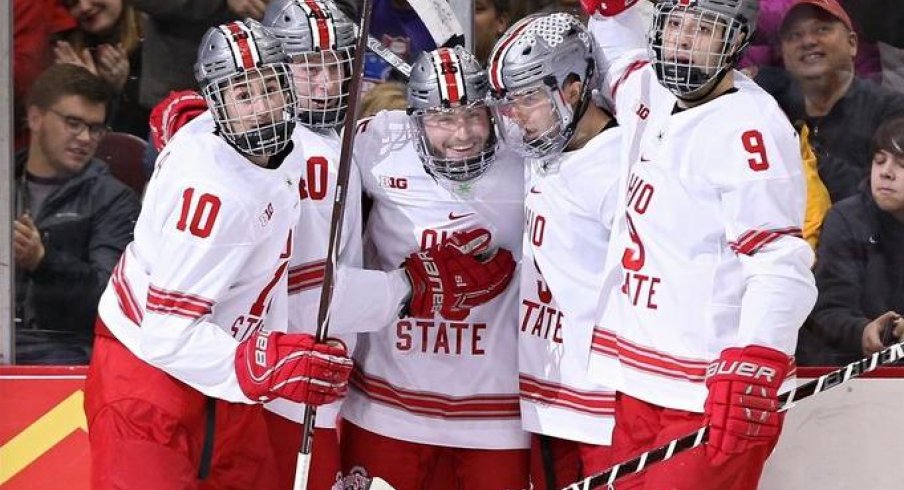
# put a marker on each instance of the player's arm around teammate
(542, 72)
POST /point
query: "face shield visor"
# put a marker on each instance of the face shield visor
(532, 120)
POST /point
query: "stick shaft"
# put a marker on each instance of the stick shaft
(326, 291)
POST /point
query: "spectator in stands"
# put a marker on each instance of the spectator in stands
(35, 22)
(73, 219)
(860, 262)
(388, 96)
(107, 42)
(820, 88)
(491, 19)
(765, 49)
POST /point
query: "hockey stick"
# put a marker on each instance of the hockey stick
(787, 400)
(441, 23)
(303, 465)
(388, 56)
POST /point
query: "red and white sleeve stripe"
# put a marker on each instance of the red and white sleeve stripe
(164, 302)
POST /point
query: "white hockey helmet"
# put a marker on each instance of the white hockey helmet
(447, 92)
(681, 26)
(321, 41)
(243, 75)
(529, 66)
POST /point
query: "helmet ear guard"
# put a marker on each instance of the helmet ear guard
(243, 75)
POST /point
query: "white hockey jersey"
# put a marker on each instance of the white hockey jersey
(362, 300)
(707, 252)
(317, 191)
(569, 211)
(440, 382)
(209, 262)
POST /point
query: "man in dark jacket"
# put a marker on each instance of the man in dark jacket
(820, 88)
(73, 219)
(860, 264)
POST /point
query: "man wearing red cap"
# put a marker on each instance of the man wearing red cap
(818, 47)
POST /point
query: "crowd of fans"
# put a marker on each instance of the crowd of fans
(83, 68)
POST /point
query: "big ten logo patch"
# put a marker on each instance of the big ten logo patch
(389, 182)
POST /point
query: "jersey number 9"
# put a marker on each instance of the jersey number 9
(753, 143)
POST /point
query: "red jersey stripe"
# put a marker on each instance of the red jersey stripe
(541, 391)
(633, 67)
(436, 404)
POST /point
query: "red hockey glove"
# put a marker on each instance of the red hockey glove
(742, 406)
(291, 366)
(173, 112)
(454, 276)
(606, 8)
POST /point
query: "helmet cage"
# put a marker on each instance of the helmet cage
(455, 169)
(252, 109)
(322, 84)
(688, 73)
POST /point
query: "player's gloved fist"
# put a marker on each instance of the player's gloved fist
(606, 8)
(456, 275)
(293, 366)
(742, 406)
(173, 112)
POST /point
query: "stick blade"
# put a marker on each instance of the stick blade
(377, 483)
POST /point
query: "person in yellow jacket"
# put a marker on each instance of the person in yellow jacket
(818, 201)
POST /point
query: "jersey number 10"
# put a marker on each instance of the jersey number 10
(203, 215)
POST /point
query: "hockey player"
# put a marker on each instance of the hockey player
(143, 407)
(542, 101)
(320, 39)
(442, 387)
(708, 279)
(180, 333)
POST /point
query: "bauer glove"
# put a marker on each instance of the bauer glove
(456, 275)
(292, 366)
(742, 406)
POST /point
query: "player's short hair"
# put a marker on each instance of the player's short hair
(889, 136)
(63, 79)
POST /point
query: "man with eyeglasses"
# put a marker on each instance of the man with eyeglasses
(73, 218)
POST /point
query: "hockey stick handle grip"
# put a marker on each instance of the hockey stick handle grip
(787, 400)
